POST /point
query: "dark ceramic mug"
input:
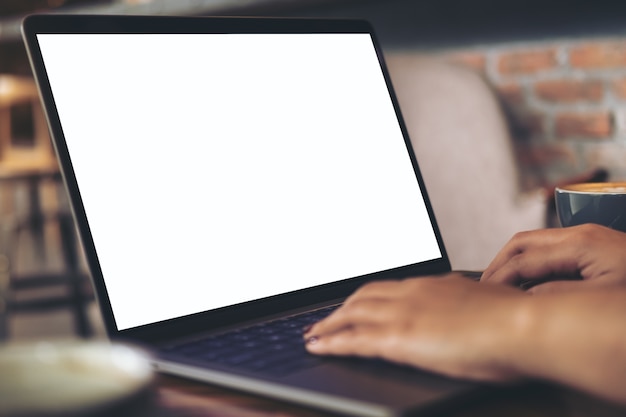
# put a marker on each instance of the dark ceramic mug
(601, 202)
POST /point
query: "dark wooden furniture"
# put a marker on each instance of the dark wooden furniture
(40, 249)
(174, 396)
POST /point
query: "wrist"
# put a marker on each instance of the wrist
(521, 338)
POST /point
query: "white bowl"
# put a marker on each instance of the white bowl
(69, 377)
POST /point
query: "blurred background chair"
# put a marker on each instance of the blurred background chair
(42, 253)
(41, 264)
(466, 157)
(463, 144)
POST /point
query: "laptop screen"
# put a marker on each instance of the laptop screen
(216, 169)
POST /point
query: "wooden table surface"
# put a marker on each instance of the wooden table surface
(173, 396)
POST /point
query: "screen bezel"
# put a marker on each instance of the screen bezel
(75, 24)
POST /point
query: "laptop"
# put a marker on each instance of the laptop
(229, 174)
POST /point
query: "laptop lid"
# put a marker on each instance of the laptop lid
(221, 169)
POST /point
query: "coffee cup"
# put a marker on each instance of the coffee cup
(600, 202)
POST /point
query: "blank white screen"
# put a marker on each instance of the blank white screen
(217, 169)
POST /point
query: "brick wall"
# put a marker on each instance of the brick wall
(567, 101)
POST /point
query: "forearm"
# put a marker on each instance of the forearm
(577, 339)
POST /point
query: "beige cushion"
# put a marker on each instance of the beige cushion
(466, 157)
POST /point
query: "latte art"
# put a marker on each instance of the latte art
(597, 188)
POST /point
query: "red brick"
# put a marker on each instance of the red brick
(619, 88)
(598, 55)
(510, 92)
(537, 156)
(474, 60)
(527, 62)
(584, 125)
(569, 91)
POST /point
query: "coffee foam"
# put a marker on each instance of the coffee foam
(596, 188)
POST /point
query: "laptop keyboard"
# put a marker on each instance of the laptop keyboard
(274, 347)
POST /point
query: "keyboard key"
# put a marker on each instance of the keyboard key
(276, 346)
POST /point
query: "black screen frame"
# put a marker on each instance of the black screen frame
(103, 24)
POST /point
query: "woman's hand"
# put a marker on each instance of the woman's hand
(450, 325)
(461, 328)
(562, 259)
